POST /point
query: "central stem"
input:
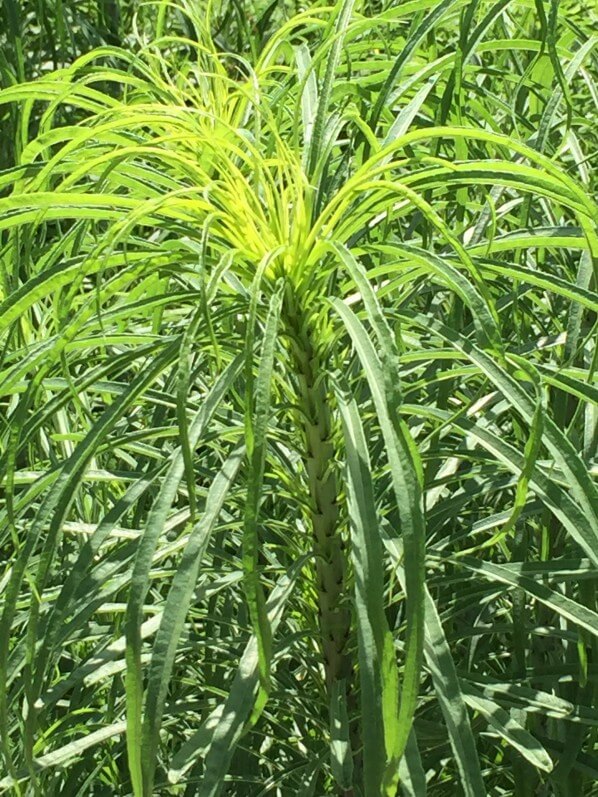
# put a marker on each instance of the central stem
(312, 389)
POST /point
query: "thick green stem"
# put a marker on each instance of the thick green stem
(312, 388)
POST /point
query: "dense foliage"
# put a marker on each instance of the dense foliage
(298, 398)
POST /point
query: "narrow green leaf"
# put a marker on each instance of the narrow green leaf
(411, 770)
(377, 665)
(582, 487)
(337, 40)
(309, 95)
(140, 576)
(341, 757)
(510, 730)
(220, 734)
(405, 471)
(561, 604)
(256, 445)
(175, 610)
(407, 51)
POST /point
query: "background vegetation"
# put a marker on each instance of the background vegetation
(298, 398)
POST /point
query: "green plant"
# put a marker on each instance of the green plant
(300, 419)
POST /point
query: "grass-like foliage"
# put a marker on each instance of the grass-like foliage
(299, 403)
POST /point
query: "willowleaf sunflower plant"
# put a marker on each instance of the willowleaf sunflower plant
(299, 408)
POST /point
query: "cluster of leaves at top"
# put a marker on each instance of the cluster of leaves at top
(298, 317)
